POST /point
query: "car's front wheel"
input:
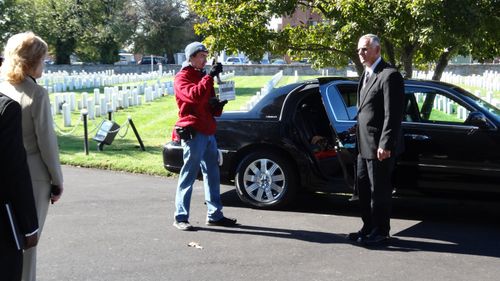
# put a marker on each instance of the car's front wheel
(266, 180)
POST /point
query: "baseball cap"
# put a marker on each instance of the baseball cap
(194, 48)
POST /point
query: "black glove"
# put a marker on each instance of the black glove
(215, 70)
(222, 103)
(216, 104)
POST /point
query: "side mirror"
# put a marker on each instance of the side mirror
(477, 119)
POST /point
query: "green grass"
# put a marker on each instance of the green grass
(154, 122)
(472, 89)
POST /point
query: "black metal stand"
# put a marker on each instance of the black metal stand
(85, 132)
(100, 146)
(136, 133)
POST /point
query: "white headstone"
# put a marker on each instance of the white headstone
(66, 115)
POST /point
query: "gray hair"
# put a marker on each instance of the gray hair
(374, 40)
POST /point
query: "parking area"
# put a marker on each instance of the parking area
(118, 226)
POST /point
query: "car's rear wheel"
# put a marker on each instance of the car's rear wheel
(266, 180)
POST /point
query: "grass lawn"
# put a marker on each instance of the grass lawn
(154, 122)
(483, 92)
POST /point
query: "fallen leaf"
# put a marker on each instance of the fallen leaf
(195, 245)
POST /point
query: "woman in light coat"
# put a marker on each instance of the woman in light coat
(24, 57)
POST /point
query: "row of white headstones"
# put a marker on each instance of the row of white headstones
(62, 85)
(114, 97)
(445, 105)
(264, 90)
(487, 83)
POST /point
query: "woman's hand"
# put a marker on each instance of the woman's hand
(56, 193)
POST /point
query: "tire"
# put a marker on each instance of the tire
(266, 180)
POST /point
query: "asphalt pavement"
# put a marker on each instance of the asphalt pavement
(114, 226)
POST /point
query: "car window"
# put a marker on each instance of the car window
(348, 93)
(421, 105)
(478, 101)
(433, 106)
(235, 60)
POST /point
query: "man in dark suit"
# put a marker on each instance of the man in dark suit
(380, 112)
(16, 191)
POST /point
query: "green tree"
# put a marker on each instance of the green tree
(164, 27)
(92, 29)
(14, 18)
(108, 24)
(469, 27)
(59, 23)
(412, 31)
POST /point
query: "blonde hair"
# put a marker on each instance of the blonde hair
(23, 52)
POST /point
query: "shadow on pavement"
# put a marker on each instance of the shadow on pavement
(416, 208)
(456, 226)
(469, 239)
(303, 235)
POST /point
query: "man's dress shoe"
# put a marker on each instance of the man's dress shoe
(374, 239)
(355, 236)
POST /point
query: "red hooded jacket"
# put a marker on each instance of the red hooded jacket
(193, 89)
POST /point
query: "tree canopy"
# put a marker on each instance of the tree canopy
(422, 32)
(14, 17)
(95, 30)
(163, 27)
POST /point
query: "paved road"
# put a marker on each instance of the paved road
(118, 226)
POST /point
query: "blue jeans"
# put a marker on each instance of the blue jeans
(199, 152)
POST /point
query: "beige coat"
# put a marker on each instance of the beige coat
(39, 137)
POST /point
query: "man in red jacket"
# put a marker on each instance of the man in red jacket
(195, 97)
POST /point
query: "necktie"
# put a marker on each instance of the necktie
(367, 76)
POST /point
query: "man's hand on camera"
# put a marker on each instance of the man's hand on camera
(215, 70)
(216, 104)
(213, 101)
(222, 103)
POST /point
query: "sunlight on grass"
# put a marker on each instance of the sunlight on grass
(154, 122)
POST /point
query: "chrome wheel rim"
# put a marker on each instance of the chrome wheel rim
(264, 181)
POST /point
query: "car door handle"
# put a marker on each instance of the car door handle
(439, 156)
(417, 137)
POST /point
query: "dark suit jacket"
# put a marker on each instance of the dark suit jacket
(380, 111)
(15, 180)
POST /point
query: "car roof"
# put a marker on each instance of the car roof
(419, 82)
(281, 91)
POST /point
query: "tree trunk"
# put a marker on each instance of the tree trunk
(357, 64)
(408, 66)
(441, 64)
(390, 52)
(170, 57)
(407, 60)
(64, 49)
(108, 50)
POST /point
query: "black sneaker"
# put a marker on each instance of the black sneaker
(227, 222)
(183, 225)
